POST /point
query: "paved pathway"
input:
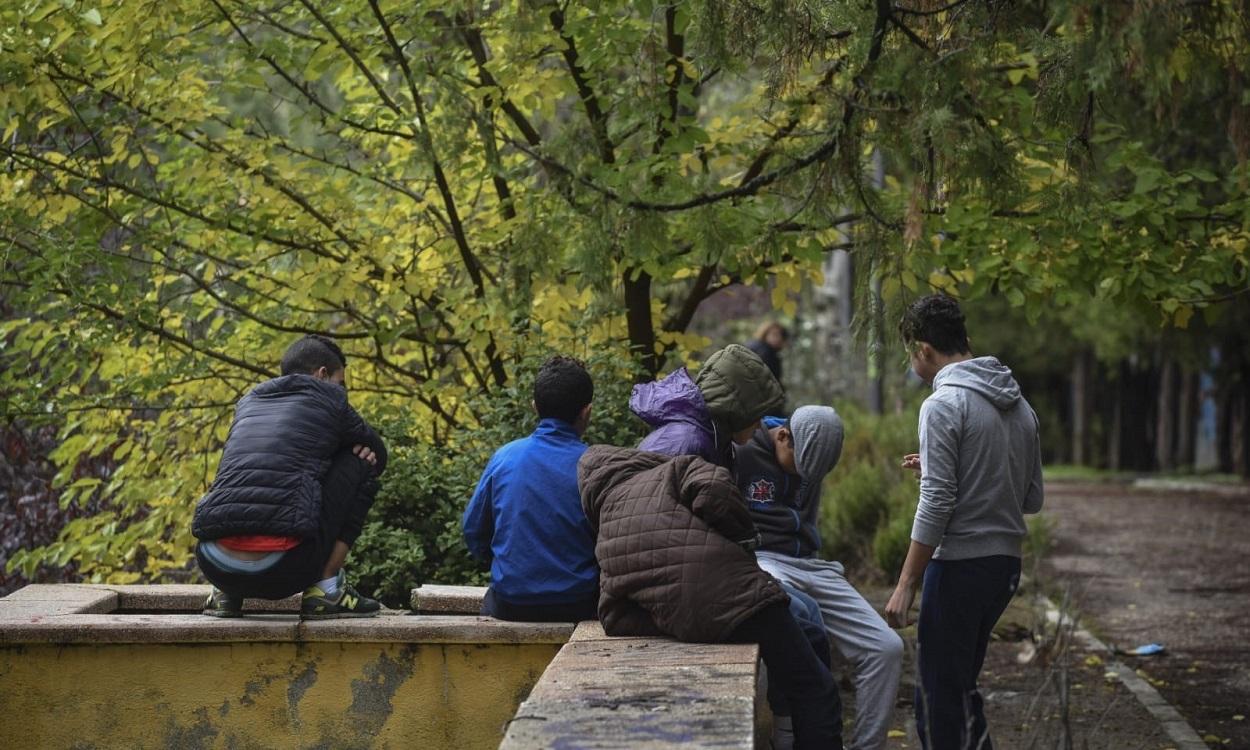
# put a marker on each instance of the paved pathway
(1167, 566)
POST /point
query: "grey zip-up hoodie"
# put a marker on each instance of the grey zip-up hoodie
(981, 462)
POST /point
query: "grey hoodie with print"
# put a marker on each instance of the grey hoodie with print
(981, 462)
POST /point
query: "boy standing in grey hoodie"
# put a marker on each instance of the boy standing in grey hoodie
(980, 471)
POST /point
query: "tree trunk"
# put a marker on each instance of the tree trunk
(1165, 423)
(1134, 444)
(1080, 407)
(1186, 419)
(1113, 434)
(639, 323)
(1243, 434)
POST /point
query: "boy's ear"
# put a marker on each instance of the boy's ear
(584, 415)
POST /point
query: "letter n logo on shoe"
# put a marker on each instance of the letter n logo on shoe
(349, 601)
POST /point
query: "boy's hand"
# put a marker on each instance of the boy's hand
(365, 454)
(912, 462)
(899, 606)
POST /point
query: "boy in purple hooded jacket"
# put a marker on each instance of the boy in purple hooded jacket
(705, 416)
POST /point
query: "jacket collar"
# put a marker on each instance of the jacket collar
(553, 426)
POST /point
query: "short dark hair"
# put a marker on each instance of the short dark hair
(936, 320)
(310, 354)
(562, 389)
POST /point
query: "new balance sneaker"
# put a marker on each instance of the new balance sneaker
(317, 605)
(221, 604)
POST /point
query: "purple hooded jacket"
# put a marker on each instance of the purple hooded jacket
(680, 421)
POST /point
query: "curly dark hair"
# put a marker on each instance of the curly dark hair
(562, 388)
(936, 320)
(310, 354)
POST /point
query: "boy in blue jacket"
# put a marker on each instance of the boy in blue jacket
(526, 518)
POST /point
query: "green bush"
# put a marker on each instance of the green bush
(868, 501)
(413, 533)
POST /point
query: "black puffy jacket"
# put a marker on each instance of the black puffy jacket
(285, 434)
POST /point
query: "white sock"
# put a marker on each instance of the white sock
(330, 586)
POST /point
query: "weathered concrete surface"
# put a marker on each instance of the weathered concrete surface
(264, 694)
(118, 629)
(56, 599)
(188, 597)
(448, 600)
(602, 692)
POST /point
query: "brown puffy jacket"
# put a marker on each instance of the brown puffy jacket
(668, 532)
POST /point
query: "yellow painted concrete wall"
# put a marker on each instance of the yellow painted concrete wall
(264, 695)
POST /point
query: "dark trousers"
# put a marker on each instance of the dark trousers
(798, 673)
(586, 608)
(806, 612)
(959, 605)
(346, 495)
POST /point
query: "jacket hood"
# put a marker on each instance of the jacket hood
(738, 388)
(817, 434)
(673, 399)
(602, 467)
(984, 375)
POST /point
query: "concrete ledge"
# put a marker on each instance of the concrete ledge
(71, 598)
(604, 692)
(95, 629)
(448, 600)
(187, 597)
(56, 599)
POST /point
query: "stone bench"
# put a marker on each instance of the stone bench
(603, 692)
(80, 670)
(77, 657)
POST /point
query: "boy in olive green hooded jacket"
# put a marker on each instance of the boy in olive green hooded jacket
(706, 415)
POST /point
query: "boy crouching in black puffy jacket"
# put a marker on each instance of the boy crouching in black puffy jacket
(296, 479)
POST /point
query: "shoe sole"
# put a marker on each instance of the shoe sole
(339, 616)
(224, 615)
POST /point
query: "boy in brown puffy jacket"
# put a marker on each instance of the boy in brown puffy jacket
(674, 541)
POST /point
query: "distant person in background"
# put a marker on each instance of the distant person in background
(770, 338)
(526, 517)
(980, 469)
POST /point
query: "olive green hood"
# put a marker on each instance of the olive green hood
(738, 388)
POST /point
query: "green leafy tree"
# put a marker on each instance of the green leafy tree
(441, 186)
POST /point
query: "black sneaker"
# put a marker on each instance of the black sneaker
(316, 605)
(221, 604)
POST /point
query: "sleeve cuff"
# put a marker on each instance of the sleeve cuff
(927, 532)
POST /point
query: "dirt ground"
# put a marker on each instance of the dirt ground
(1022, 683)
(1160, 566)
(1139, 566)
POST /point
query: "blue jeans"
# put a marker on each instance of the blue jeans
(959, 605)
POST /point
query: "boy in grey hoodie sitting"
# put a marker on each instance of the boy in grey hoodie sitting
(780, 473)
(980, 471)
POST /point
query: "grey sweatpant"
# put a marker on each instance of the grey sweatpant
(874, 651)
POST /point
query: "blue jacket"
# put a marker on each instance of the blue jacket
(526, 519)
